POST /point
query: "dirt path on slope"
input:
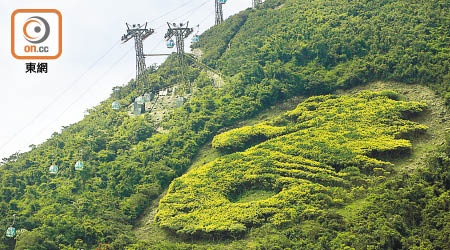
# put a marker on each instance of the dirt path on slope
(145, 227)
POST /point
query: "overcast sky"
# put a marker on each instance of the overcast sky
(33, 106)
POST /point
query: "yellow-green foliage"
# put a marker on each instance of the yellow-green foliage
(237, 139)
(310, 168)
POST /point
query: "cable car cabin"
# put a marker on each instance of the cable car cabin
(223, 1)
(115, 105)
(53, 169)
(180, 101)
(170, 44)
(79, 166)
(195, 39)
(138, 109)
(140, 100)
(11, 232)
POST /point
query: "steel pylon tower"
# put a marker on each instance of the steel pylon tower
(139, 33)
(256, 3)
(219, 12)
(180, 31)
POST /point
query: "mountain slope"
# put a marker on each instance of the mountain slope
(435, 116)
(283, 49)
(321, 45)
(319, 151)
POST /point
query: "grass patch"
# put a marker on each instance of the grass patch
(253, 195)
(351, 210)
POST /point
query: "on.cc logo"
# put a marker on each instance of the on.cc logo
(36, 34)
(36, 30)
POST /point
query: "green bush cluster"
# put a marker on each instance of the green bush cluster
(238, 139)
(303, 168)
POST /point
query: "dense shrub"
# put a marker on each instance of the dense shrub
(302, 168)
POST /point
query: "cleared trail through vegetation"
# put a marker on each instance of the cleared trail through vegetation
(213, 74)
(145, 226)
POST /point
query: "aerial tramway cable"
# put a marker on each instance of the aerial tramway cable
(73, 84)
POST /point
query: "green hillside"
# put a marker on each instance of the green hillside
(311, 168)
(288, 182)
